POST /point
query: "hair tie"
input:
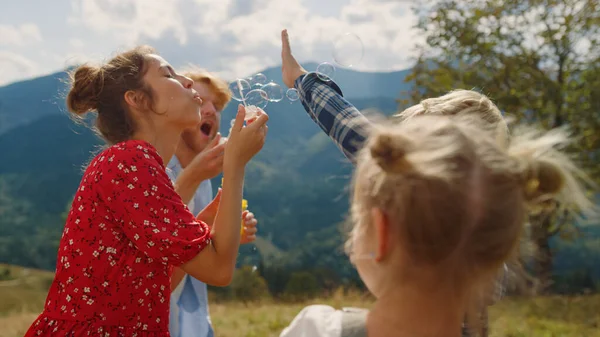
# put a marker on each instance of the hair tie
(532, 186)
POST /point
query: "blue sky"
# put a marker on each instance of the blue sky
(233, 38)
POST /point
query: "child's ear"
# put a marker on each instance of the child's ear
(381, 224)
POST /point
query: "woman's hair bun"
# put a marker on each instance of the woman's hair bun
(86, 85)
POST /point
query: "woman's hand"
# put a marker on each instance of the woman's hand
(245, 141)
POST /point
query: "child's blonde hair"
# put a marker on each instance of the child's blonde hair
(460, 102)
(459, 197)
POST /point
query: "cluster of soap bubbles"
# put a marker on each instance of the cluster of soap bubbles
(256, 91)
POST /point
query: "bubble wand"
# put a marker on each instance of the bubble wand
(251, 111)
(244, 201)
(239, 85)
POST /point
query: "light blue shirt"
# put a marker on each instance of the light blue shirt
(188, 315)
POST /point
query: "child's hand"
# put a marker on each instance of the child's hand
(290, 68)
(249, 234)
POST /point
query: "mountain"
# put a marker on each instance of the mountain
(299, 174)
(24, 102)
(356, 84)
(296, 186)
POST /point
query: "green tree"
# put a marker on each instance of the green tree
(539, 60)
(247, 285)
(301, 285)
(277, 276)
(5, 274)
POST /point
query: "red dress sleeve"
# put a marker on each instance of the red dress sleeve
(144, 202)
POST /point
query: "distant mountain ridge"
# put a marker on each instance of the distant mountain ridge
(25, 101)
(296, 186)
(299, 175)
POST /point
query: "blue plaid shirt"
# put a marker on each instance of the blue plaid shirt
(349, 129)
(339, 119)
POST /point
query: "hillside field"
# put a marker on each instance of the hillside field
(21, 299)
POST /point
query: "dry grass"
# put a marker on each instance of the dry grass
(556, 316)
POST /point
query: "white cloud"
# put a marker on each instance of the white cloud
(240, 66)
(128, 20)
(76, 43)
(385, 29)
(21, 35)
(232, 37)
(15, 66)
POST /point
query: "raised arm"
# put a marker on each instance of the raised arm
(243, 144)
(325, 104)
(157, 222)
(338, 118)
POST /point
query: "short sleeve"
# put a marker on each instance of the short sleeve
(138, 190)
(315, 321)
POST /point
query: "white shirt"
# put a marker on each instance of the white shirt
(316, 321)
(193, 319)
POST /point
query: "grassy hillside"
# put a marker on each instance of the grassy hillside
(22, 298)
(22, 289)
(299, 175)
(296, 186)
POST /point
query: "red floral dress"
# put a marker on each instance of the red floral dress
(126, 229)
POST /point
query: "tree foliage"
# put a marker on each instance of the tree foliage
(248, 285)
(302, 285)
(539, 60)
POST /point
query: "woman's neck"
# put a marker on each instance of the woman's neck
(164, 142)
(415, 312)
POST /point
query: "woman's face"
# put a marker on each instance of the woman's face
(176, 103)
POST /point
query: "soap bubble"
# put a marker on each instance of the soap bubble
(348, 50)
(274, 91)
(258, 80)
(239, 89)
(256, 100)
(292, 94)
(326, 71)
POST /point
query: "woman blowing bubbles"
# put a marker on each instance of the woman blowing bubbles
(127, 227)
(438, 206)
